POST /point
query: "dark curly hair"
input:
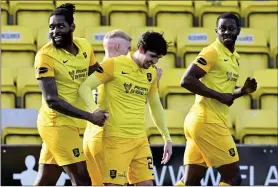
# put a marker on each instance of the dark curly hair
(67, 10)
(154, 42)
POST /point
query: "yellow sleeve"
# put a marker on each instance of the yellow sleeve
(93, 60)
(106, 70)
(158, 115)
(154, 86)
(206, 59)
(44, 66)
(85, 91)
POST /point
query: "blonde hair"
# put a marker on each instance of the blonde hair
(117, 34)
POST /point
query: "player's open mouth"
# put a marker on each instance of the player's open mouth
(58, 38)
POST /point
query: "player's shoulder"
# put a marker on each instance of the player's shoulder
(46, 49)
(82, 42)
(210, 50)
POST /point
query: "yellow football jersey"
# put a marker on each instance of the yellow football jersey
(222, 69)
(69, 72)
(124, 94)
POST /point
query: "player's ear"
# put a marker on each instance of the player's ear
(216, 30)
(117, 47)
(238, 31)
(141, 49)
(72, 27)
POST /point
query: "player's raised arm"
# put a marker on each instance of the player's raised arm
(203, 64)
(103, 74)
(159, 119)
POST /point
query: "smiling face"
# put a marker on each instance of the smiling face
(148, 58)
(227, 31)
(60, 31)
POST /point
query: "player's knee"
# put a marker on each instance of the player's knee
(83, 179)
(145, 183)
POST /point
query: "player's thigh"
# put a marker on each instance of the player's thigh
(141, 166)
(216, 144)
(117, 155)
(46, 156)
(48, 174)
(192, 153)
(64, 143)
(94, 159)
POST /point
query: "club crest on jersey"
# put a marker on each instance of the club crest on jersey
(232, 152)
(76, 152)
(149, 77)
(113, 173)
(71, 73)
(127, 87)
(85, 55)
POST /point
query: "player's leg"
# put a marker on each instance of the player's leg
(78, 173)
(230, 174)
(48, 175)
(65, 145)
(49, 172)
(117, 155)
(219, 150)
(194, 163)
(94, 158)
(141, 167)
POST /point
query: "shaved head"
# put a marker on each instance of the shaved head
(116, 43)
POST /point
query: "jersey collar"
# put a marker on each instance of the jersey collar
(226, 50)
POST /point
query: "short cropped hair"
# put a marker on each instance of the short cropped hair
(117, 34)
(228, 15)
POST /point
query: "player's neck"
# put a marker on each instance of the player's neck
(231, 48)
(134, 57)
(72, 48)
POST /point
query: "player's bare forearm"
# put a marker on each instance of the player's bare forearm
(191, 82)
(64, 107)
(50, 94)
(239, 92)
(194, 85)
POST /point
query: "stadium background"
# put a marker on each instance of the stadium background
(189, 25)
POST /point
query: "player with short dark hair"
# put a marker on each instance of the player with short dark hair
(126, 82)
(60, 67)
(212, 77)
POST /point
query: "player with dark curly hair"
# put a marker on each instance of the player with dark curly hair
(60, 67)
(127, 81)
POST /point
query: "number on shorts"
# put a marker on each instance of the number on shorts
(150, 162)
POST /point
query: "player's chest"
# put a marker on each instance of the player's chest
(130, 81)
(228, 67)
(72, 68)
